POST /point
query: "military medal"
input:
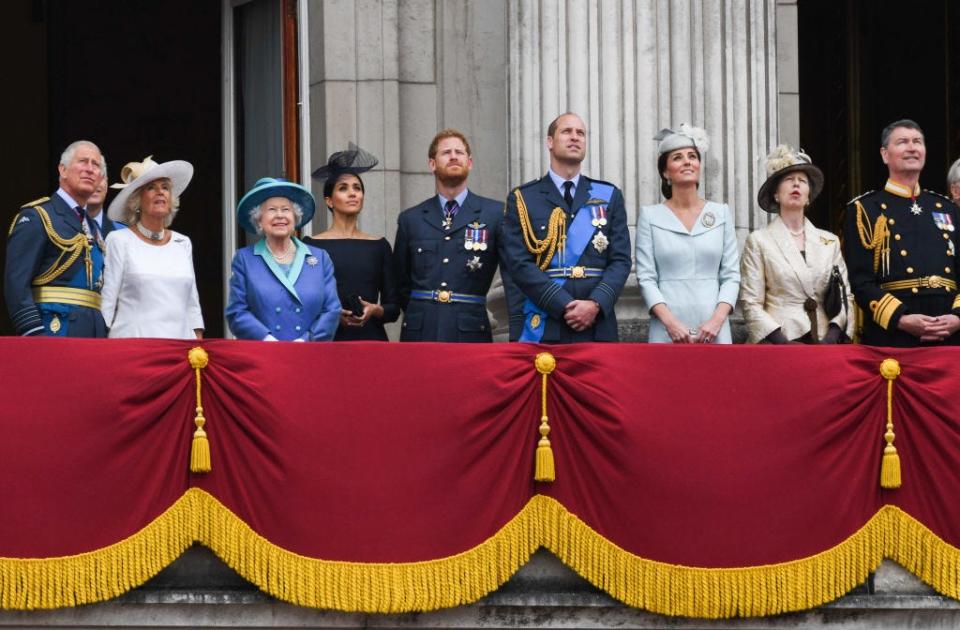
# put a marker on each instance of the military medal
(481, 243)
(474, 264)
(708, 219)
(600, 242)
(447, 223)
(915, 208)
(599, 214)
(943, 221)
(468, 239)
(311, 260)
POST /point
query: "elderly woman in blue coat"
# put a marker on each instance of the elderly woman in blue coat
(281, 289)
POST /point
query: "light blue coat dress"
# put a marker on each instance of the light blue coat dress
(690, 271)
(299, 305)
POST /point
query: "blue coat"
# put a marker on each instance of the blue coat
(526, 280)
(31, 252)
(428, 257)
(264, 300)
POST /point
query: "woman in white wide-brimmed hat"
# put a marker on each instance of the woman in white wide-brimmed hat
(149, 285)
(794, 283)
(688, 266)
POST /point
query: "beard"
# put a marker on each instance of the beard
(452, 178)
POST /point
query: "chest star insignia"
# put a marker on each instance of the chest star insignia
(915, 208)
(474, 264)
(600, 242)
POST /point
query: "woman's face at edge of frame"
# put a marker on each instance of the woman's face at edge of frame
(347, 195)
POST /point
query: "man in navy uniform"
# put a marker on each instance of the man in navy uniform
(54, 263)
(566, 247)
(445, 253)
(901, 249)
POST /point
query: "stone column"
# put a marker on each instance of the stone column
(632, 67)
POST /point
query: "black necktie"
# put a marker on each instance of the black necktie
(84, 225)
(452, 207)
(568, 194)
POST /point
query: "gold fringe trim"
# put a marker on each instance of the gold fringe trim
(466, 577)
(96, 576)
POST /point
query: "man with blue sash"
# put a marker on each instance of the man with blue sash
(566, 247)
(446, 252)
(54, 261)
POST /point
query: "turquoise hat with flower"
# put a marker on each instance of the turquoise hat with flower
(268, 187)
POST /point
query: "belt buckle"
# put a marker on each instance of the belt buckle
(578, 272)
(935, 282)
(444, 296)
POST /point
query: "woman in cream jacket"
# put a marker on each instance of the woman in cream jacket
(786, 267)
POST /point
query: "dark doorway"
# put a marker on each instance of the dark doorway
(139, 78)
(864, 65)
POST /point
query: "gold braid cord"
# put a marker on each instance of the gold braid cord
(556, 232)
(544, 469)
(69, 247)
(876, 237)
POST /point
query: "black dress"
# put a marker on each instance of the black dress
(363, 267)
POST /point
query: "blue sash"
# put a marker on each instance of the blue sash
(49, 310)
(579, 234)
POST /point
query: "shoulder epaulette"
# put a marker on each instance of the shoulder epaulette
(859, 197)
(939, 194)
(599, 181)
(527, 184)
(35, 202)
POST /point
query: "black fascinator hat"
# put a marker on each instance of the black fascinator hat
(353, 161)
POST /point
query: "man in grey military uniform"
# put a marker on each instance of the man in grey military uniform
(446, 252)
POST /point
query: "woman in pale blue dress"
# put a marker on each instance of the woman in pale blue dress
(688, 266)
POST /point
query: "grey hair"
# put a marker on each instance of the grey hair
(953, 175)
(255, 215)
(131, 209)
(904, 123)
(68, 154)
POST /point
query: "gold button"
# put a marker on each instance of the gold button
(891, 221)
(947, 269)
(938, 204)
(915, 290)
(909, 269)
(446, 260)
(946, 236)
(903, 252)
(884, 206)
(443, 284)
(446, 238)
(896, 236)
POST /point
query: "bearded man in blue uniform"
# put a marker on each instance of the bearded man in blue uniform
(566, 247)
(54, 261)
(901, 249)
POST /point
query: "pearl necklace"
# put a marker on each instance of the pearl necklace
(284, 255)
(150, 234)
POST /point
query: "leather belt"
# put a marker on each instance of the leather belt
(67, 295)
(926, 282)
(447, 297)
(574, 272)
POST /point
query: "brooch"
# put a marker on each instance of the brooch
(708, 219)
(474, 263)
(311, 260)
(600, 242)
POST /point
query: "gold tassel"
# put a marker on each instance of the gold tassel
(890, 467)
(544, 469)
(200, 449)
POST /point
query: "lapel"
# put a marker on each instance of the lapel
(699, 227)
(432, 213)
(582, 195)
(66, 213)
(552, 195)
(260, 249)
(469, 213)
(784, 242)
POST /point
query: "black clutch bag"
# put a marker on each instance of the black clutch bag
(836, 295)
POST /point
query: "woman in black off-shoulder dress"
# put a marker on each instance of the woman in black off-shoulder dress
(361, 262)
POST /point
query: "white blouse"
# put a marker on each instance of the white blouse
(150, 290)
